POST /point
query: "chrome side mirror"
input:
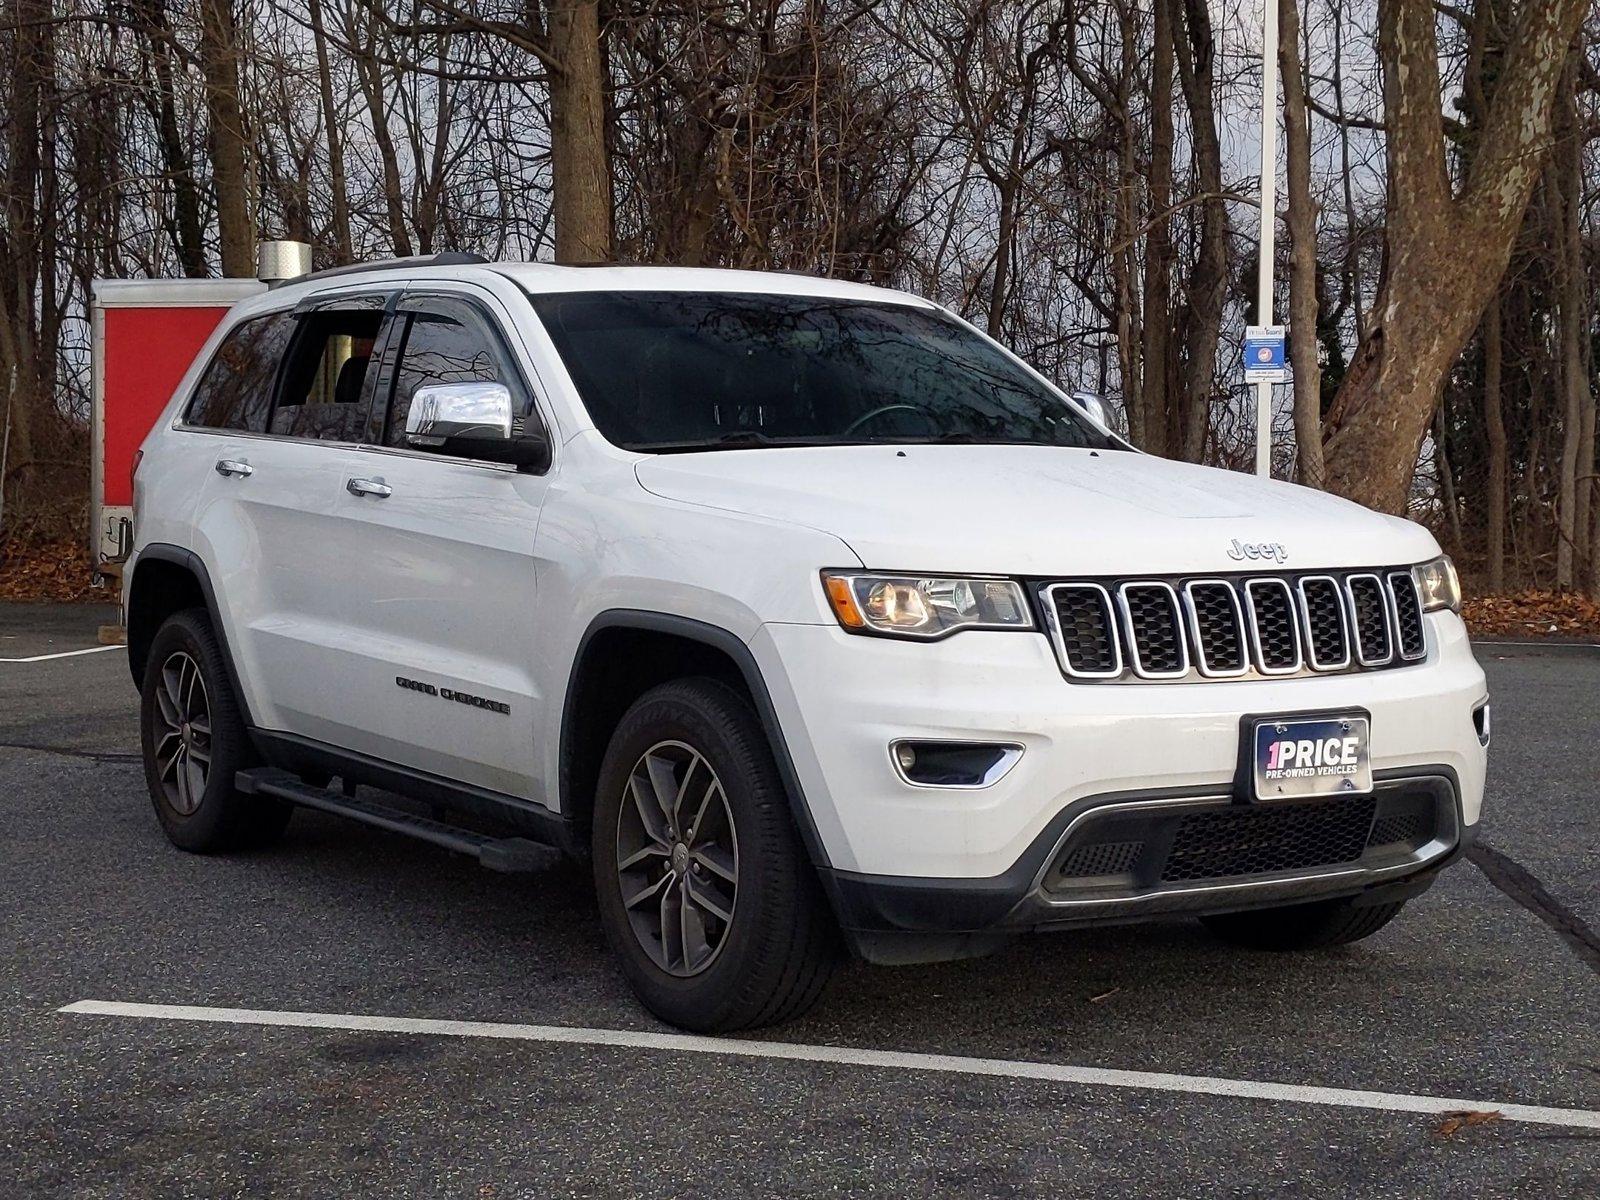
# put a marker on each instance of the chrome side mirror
(447, 412)
(1093, 407)
(474, 420)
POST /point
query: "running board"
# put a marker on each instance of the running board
(498, 854)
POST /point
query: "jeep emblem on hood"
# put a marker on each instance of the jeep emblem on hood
(1239, 551)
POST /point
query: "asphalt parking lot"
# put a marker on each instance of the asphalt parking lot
(1488, 989)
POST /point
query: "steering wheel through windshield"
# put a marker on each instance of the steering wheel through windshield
(882, 411)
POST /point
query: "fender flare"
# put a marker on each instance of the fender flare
(729, 643)
(195, 566)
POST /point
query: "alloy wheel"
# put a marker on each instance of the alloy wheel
(677, 858)
(182, 733)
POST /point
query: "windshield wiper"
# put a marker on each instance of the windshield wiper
(753, 439)
(959, 439)
(744, 439)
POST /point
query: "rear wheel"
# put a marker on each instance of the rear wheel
(194, 742)
(1303, 926)
(706, 894)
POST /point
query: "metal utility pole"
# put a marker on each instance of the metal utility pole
(1269, 213)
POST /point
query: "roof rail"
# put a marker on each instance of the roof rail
(447, 258)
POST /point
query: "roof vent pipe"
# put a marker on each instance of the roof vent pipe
(277, 261)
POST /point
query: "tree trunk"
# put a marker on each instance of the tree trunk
(1128, 322)
(1445, 473)
(1303, 251)
(219, 61)
(1445, 253)
(1566, 203)
(1117, 103)
(344, 250)
(369, 77)
(51, 218)
(1161, 408)
(1495, 434)
(1577, 450)
(1005, 247)
(429, 210)
(186, 230)
(1208, 278)
(1350, 269)
(579, 159)
(19, 258)
(1533, 507)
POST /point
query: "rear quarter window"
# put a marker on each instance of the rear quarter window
(236, 390)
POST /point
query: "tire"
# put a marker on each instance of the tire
(733, 933)
(194, 741)
(1303, 926)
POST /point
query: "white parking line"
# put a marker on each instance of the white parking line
(893, 1060)
(62, 654)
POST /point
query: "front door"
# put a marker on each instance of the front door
(438, 608)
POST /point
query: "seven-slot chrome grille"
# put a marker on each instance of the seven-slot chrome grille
(1232, 627)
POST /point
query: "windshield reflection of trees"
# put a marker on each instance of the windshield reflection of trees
(811, 368)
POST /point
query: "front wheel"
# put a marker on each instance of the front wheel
(194, 742)
(706, 894)
(1303, 926)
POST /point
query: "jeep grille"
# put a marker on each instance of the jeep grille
(1246, 626)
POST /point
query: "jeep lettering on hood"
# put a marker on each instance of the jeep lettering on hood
(1254, 551)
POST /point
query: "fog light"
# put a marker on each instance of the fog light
(1480, 722)
(953, 764)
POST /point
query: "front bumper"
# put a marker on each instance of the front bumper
(1124, 858)
(842, 700)
(901, 857)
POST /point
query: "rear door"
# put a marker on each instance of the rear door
(436, 622)
(278, 402)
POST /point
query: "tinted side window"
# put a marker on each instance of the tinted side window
(236, 390)
(323, 394)
(441, 348)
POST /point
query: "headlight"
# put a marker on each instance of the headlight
(1439, 585)
(915, 606)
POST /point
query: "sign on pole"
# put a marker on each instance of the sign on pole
(1265, 357)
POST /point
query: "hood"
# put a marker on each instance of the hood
(1038, 510)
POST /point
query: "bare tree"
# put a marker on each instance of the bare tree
(1564, 186)
(1208, 277)
(1063, 171)
(1495, 438)
(219, 60)
(184, 222)
(332, 118)
(1446, 248)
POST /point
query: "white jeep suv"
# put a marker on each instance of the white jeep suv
(807, 614)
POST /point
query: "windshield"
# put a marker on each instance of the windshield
(666, 371)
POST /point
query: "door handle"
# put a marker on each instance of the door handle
(368, 487)
(231, 466)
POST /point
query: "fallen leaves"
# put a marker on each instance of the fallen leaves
(1556, 615)
(47, 568)
(1455, 1122)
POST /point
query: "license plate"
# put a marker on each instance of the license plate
(1324, 756)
